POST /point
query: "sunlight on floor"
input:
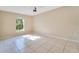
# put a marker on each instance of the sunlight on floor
(20, 42)
(37, 44)
(31, 37)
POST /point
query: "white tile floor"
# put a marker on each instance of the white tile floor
(41, 44)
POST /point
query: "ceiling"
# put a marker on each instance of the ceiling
(27, 10)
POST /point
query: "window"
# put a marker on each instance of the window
(19, 24)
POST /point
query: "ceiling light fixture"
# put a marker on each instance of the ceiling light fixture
(35, 9)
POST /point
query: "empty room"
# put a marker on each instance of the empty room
(39, 29)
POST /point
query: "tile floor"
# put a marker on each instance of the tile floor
(39, 44)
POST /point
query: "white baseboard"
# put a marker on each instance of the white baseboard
(58, 37)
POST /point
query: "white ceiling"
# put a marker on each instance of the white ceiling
(27, 10)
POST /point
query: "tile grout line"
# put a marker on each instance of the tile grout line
(38, 47)
(65, 46)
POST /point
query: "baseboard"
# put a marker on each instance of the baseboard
(57, 37)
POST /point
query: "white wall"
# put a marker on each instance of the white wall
(8, 24)
(62, 22)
